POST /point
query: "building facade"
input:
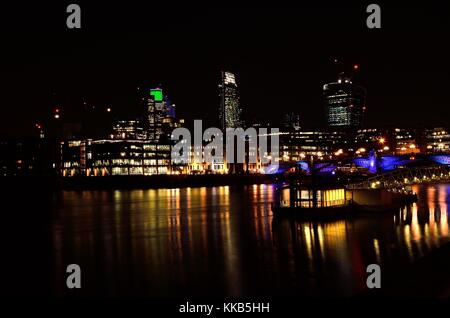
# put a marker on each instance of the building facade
(128, 129)
(436, 140)
(229, 105)
(297, 145)
(114, 157)
(344, 104)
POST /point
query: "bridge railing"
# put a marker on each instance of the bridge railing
(400, 178)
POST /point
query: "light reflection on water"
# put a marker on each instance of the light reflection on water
(224, 241)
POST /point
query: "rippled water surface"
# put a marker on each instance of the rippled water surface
(225, 241)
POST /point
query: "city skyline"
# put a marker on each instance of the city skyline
(324, 118)
(291, 60)
(225, 158)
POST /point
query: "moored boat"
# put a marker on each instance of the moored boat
(304, 202)
(332, 202)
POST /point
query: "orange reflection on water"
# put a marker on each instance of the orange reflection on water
(325, 238)
(425, 224)
(415, 227)
(262, 195)
(225, 238)
(443, 209)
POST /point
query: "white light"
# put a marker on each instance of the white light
(229, 78)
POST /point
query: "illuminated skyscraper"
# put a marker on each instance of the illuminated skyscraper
(229, 108)
(156, 113)
(345, 103)
(161, 116)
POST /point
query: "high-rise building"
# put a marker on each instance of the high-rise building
(345, 103)
(161, 116)
(229, 108)
(156, 113)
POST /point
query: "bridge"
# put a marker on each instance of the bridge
(389, 172)
(398, 179)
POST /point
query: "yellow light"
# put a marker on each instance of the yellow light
(339, 152)
(412, 146)
(382, 140)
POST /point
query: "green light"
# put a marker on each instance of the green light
(157, 94)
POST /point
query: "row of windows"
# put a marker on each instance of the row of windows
(131, 162)
(138, 171)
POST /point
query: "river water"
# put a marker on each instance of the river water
(224, 241)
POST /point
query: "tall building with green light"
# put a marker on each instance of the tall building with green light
(161, 116)
(157, 94)
(156, 114)
(229, 106)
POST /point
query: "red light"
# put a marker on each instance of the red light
(355, 67)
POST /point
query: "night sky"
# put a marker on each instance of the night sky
(282, 56)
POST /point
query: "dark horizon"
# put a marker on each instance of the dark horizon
(281, 57)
